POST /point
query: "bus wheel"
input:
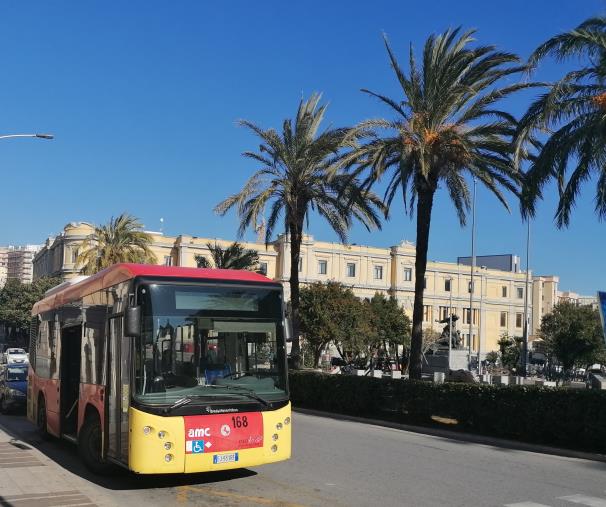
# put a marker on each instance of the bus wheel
(41, 419)
(89, 446)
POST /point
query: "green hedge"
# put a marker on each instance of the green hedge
(559, 417)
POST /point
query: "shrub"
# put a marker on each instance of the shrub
(559, 417)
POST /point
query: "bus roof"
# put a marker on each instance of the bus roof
(121, 272)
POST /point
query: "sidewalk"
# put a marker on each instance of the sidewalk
(30, 479)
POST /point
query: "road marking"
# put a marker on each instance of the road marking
(240, 498)
(592, 501)
(526, 504)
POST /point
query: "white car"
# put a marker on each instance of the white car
(16, 356)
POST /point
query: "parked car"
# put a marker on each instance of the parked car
(16, 356)
(13, 387)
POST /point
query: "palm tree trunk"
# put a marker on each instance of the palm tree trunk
(295, 251)
(424, 206)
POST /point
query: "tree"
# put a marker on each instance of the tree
(16, 302)
(235, 256)
(120, 240)
(390, 324)
(330, 313)
(301, 170)
(572, 112)
(573, 334)
(447, 127)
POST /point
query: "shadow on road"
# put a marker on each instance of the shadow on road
(66, 456)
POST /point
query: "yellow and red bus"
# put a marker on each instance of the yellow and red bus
(163, 369)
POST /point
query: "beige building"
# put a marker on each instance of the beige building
(498, 295)
(578, 299)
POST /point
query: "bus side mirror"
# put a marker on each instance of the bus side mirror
(132, 322)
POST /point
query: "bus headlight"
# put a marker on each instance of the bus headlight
(168, 458)
(168, 446)
(274, 437)
(274, 448)
(147, 430)
(287, 420)
(279, 426)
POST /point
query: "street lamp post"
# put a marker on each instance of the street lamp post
(473, 267)
(525, 346)
(450, 327)
(39, 136)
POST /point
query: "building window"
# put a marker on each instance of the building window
(378, 272)
(425, 283)
(427, 310)
(519, 319)
(504, 291)
(168, 260)
(503, 319)
(74, 255)
(351, 269)
(444, 312)
(447, 285)
(520, 293)
(300, 264)
(467, 313)
(322, 267)
(263, 268)
(407, 274)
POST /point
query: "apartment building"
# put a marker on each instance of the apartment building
(16, 262)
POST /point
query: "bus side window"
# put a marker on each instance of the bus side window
(33, 339)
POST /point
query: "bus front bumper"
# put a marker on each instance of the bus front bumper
(157, 445)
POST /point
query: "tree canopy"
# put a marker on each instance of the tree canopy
(120, 240)
(573, 334)
(235, 256)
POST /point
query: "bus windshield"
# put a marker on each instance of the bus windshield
(210, 343)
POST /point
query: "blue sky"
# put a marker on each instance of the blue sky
(143, 97)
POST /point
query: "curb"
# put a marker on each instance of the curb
(457, 435)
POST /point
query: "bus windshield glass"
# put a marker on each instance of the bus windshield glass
(206, 344)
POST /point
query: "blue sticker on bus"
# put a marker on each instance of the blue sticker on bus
(225, 458)
(195, 446)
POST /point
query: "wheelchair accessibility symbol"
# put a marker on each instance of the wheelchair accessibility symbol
(197, 446)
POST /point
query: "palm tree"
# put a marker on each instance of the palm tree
(573, 114)
(300, 172)
(446, 128)
(120, 240)
(235, 256)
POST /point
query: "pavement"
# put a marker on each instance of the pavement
(335, 463)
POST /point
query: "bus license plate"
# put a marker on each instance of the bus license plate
(225, 458)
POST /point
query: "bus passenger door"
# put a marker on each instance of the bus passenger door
(118, 391)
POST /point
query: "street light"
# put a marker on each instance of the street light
(525, 346)
(473, 267)
(39, 136)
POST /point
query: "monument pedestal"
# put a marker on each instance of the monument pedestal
(438, 361)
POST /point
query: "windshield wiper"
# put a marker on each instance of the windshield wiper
(249, 393)
(184, 401)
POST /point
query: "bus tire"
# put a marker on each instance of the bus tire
(41, 423)
(89, 446)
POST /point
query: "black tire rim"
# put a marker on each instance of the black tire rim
(42, 418)
(94, 443)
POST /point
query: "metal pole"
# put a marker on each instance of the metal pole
(450, 327)
(473, 267)
(39, 136)
(482, 278)
(525, 348)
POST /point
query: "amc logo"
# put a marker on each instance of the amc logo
(198, 432)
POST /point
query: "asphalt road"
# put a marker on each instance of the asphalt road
(341, 463)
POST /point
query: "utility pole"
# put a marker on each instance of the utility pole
(525, 347)
(473, 268)
(450, 327)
